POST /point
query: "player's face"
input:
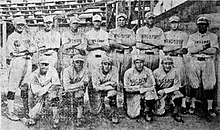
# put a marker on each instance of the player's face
(150, 21)
(78, 65)
(74, 26)
(167, 66)
(19, 27)
(139, 65)
(174, 25)
(48, 26)
(121, 21)
(44, 67)
(202, 27)
(106, 67)
(97, 24)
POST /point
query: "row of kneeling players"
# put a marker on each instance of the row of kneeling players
(147, 66)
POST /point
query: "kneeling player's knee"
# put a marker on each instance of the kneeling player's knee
(177, 101)
(55, 102)
(11, 95)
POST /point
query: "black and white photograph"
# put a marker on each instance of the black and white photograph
(110, 64)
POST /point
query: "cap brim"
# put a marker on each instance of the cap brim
(78, 60)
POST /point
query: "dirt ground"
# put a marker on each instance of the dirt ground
(100, 122)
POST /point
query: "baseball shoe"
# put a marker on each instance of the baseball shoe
(184, 110)
(191, 110)
(148, 117)
(177, 117)
(212, 113)
(13, 117)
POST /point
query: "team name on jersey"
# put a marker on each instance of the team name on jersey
(203, 42)
(174, 41)
(17, 43)
(139, 81)
(76, 40)
(122, 35)
(98, 40)
(166, 83)
(147, 36)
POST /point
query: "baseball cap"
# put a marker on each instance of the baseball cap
(174, 19)
(138, 57)
(74, 20)
(78, 58)
(107, 59)
(202, 20)
(149, 15)
(167, 59)
(19, 20)
(122, 15)
(96, 18)
(48, 18)
(43, 59)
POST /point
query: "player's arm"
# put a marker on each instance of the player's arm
(192, 48)
(150, 84)
(97, 84)
(128, 86)
(213, 49)
(176, 84)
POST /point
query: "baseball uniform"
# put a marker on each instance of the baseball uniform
(174, 42)
(96, 38)
(122, 57)
(153, 36)
(101, 80)
(170, 83)
(72, 44)
(46, 40)
(145, 83)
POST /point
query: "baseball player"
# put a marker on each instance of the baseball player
(167, 85)
(122, 39)
(20, 48)
(139, 85)
(73, 42)
(44, 84)
(174, 46)
(149, 40)
(203, 46)
(75, 80)
(48, 41)
(97, 43)
(105, 83)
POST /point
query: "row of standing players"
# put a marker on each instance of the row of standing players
(149, 66)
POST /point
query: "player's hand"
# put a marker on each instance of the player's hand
(208, 45)
(160, 47)
(161, 92)
(184, 51)
(105, 47)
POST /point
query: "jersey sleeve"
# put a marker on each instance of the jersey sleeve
(176, 84)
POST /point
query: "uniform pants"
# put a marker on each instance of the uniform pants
(123, 62)
(36, 103)
(151, 61)
(202, 73)
(98, 99)
(19, 73)
(94, 60)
